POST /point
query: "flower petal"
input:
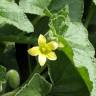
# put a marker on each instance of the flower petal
(41, 40)
(42, 59)
(34, 51)
(51, 56)
(52, 45)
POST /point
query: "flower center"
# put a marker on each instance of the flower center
(43, 50)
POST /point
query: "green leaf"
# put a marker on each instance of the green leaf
(66, 80)
(75, 8)
(34, 6)
(82, 49)
(10, 0)
(76, 36)
(94, 2)
(37, 86)
(14, 35)
(11, 13)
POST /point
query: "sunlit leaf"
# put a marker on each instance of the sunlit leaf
(11, 13)
(66, 80)
(37, 86)
(75, 34)
(75, 8)
(34, 6)
(94, 2)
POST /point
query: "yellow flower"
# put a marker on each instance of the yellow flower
(44, 50)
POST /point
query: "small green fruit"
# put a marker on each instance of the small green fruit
(13, 78)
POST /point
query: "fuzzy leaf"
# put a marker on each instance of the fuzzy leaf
(75, 34)
(66, 80)
(75, 8)
(37, 86)
(11, 13)
(34, 6)
(94, 2)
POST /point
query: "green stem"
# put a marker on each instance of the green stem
(38, 69)
(90, 15)
(10, 93)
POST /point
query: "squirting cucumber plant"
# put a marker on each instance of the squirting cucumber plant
(47, 48)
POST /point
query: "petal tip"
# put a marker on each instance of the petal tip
(42, 59)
